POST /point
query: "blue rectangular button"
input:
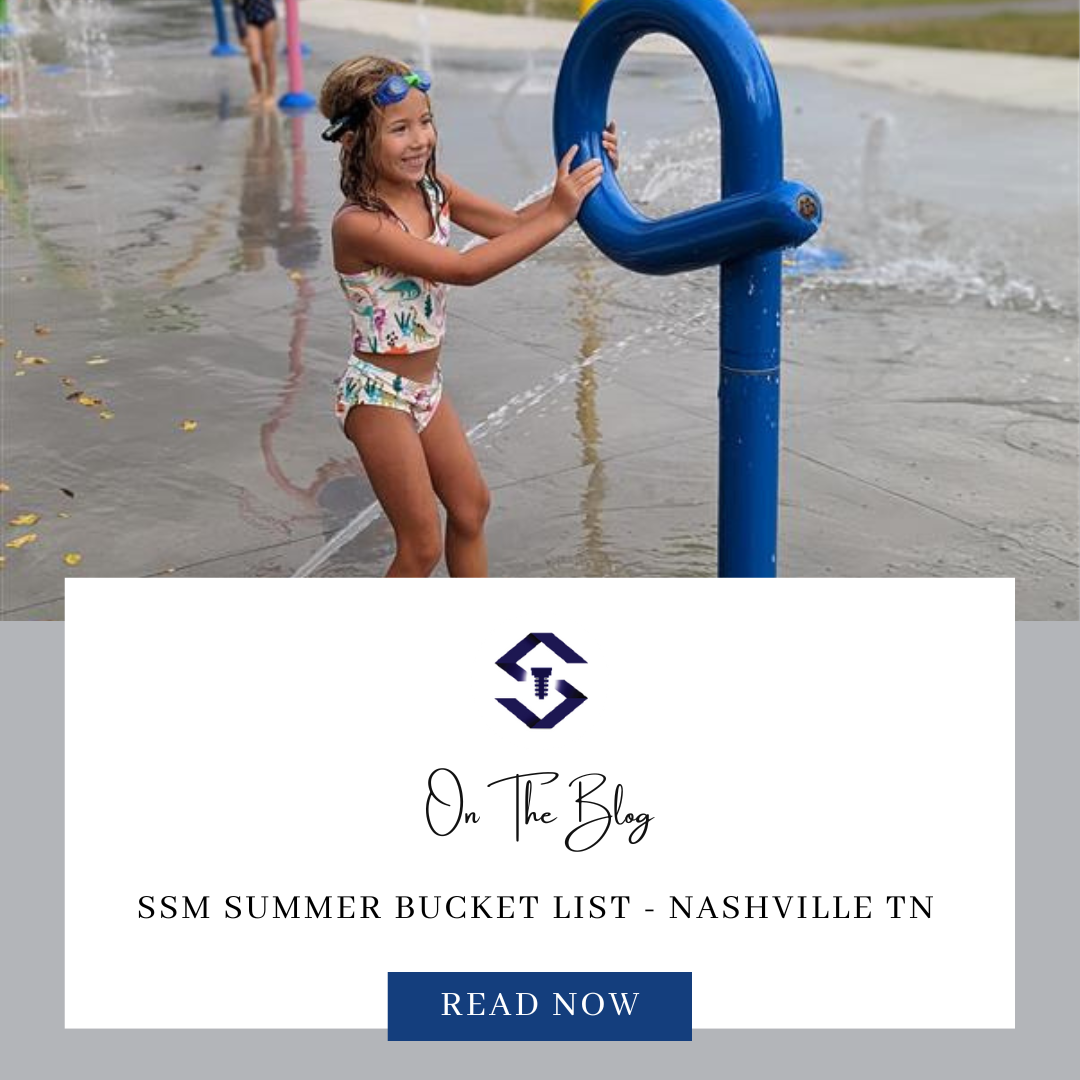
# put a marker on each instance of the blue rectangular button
(608, 1006)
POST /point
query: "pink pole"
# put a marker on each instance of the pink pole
(296, 98)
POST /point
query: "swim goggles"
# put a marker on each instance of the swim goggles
(396, 87)
(390, 91)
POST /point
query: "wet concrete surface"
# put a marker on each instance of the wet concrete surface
(930, 387)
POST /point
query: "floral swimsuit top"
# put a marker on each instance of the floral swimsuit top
(395, 313)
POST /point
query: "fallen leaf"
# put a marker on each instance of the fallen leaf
(18, 373)
(33, 361)
(18, 354)
(3, 559)
(89, 401)
(296, 275)
(73, 558)
(4, 485)
(68, 492)
(106, 415)
(25, 519)
(25, 278)
(63, 514)
(95, 360)
(67, 380)
(188, 425)
(41, 330)
(72, 396)
(22, 541)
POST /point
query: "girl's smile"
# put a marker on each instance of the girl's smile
(406, 139)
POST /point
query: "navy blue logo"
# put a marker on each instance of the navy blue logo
(541, 676)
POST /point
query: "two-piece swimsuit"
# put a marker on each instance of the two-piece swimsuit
(395, 314)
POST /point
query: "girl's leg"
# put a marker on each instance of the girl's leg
(253, 47)
(269, 45)
(461, 489)
(394, 461)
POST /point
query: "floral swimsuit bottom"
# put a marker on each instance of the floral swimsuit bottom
(366, 384)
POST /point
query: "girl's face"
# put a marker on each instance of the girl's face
(406, 139)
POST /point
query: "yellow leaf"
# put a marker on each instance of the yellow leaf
(106, 415)
(22, 541)
(63, 514)
(33, 361)
(3, 559)
(25, 519)
(188, 425)
(95, 360)
(4, 485)
(18, 373)
(73, 558)
(88, 401)
(296, 275)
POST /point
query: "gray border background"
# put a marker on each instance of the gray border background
(32, 1009)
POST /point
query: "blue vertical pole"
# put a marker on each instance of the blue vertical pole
(749, 416)
(222, 48)
(759, 213)
(752, 160)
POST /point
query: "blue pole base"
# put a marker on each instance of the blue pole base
(305, 49)
(300, 101)
(4, 101)
(7, 30)
(225, 49)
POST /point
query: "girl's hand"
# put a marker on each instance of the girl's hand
(572, 187)
(610, 139)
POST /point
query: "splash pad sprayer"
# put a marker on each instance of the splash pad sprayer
(297, 99)
(223, 46)
(759, 214)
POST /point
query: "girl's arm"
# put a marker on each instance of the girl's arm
(362, 237)
(487, 218)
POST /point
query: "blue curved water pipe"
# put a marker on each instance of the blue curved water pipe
(758, 214)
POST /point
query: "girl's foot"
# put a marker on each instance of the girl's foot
(255, 101)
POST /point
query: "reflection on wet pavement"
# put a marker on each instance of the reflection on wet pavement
(170, 249)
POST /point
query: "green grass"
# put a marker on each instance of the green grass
(1039, 35)
(568, 9)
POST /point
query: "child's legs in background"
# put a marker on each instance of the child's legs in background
(269, 52)
(457, 481)
(394, 461)
(253, 47)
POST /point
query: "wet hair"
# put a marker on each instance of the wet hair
(349, 88)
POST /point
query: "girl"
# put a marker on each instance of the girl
(390, 251)
(256, 26)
